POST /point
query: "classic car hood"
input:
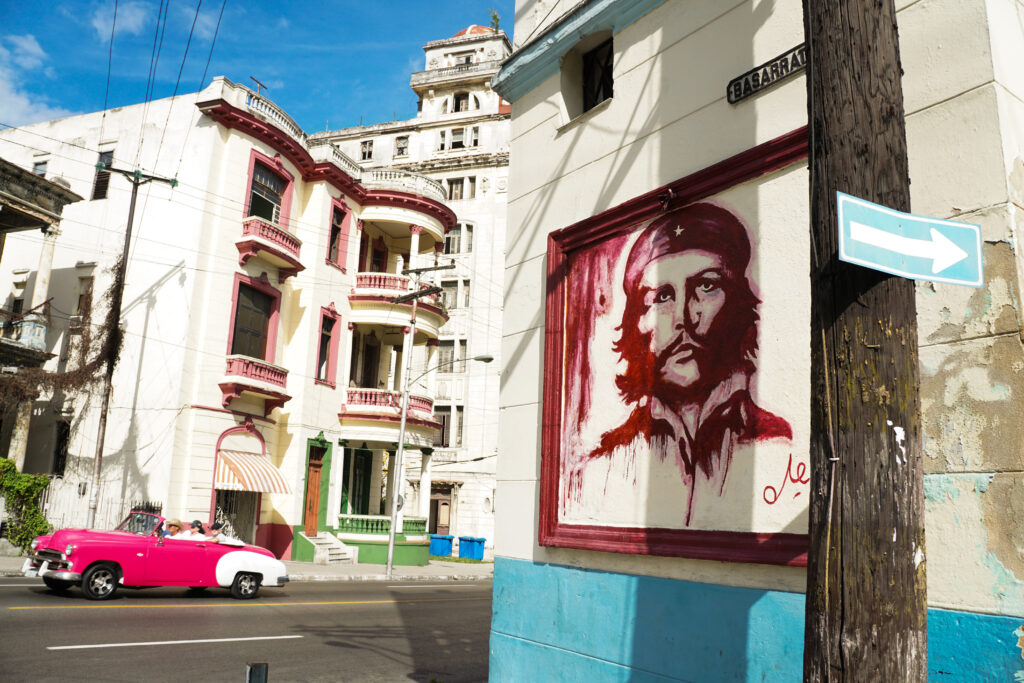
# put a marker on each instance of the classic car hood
(61, 538)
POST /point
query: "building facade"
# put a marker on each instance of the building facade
(260, 379)
(458, 138)
(658, 255)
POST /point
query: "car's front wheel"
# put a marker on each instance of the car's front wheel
(100, 582)
(57, 585)
(245, 586)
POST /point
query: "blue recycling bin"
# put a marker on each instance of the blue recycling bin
(471, 548)
(441, 545)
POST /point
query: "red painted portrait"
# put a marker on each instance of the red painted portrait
(662, 441)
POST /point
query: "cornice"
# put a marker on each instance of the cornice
(540, 59)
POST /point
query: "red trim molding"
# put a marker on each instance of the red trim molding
(775, 548)
(414, 202)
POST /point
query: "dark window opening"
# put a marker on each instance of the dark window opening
(60, 451)
(461, 102)
(401, 146)
(323, 361)
(252, 321)
(265, 194)
(458, 138)
(39, 168)
(102, 182)
(458, 426)
(597, 75)
(366, 150)
(444, 416)
(17, 306)
(455, 188)
(334, 241)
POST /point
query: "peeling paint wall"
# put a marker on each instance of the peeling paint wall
(966, 146)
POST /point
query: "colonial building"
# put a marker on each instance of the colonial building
(460, 139)
(655, 528)
(259, 382)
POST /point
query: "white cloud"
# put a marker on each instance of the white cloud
(27, 54)
(17, 106)
(131, 19)
(206, 23)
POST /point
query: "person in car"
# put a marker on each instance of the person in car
(196, 532)
(173, 529)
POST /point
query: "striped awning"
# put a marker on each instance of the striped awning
(242, 471)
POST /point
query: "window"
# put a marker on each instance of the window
(102, 180)
(60, 450)
(461, 102)
(366, 150)
(470, 187)
(39, 168)
(17, 306)
(457, 138)
(266, 193)
(444, 416)
(467, 243)
(451, 239)
(458, 426)
(461, 365)
(252, 322)
(474, 136)
(402, 146)
(327, 351)
(84, 295)
(450, 293)
(465, 293)
(441, 140)
(455, 188)
(597, 75)
(446, 355)
(338, 239)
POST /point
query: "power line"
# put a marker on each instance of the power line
(110, 60)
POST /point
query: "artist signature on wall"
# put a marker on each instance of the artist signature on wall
(771, 495)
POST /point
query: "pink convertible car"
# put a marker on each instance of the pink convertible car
(135, 555)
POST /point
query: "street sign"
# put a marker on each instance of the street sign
(915, 247)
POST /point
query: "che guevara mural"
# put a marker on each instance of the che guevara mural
(662, 422)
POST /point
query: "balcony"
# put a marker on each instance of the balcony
(263, 240)
(371, 305)
(403, 181)
(257, 378)
(449, 74)
(374, 415)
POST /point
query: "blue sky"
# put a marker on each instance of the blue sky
(323, 62)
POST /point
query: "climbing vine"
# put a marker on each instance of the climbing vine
(21, 493)
(86, 360)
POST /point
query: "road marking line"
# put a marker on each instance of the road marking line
(22, 585)
(437, 586)
(168, 642)
(245, 604)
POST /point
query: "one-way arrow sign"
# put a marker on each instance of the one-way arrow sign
(915, 247)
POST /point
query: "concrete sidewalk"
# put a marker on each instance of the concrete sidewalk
(437, 570)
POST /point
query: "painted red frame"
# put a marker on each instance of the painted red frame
(330, 312)
(339, 204)
(277, 166)
(729, 546)
(261, 284)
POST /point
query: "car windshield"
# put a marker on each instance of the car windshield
(142, 523)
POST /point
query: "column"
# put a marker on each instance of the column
(33, 327)
(426, 476)
(414, 245)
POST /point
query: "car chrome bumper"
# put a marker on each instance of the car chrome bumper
(43, 571)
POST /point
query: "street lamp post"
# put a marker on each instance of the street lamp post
(406, 382)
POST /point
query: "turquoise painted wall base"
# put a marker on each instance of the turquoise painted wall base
(557, 623)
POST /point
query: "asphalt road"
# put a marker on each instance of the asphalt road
(322, 631)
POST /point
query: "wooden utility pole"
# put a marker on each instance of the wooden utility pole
(866, 600)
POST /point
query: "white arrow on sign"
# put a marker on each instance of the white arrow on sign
(943, 252)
